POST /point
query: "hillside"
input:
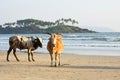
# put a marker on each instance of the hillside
(27, 26)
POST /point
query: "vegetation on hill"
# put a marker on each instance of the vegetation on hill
(39, 26)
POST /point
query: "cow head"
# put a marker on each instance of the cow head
(53, 38)
(37, 42)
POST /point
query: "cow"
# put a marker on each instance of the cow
(55, 46)
(22, 42)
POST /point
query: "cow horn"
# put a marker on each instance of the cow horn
(49, 33)
(59, 34)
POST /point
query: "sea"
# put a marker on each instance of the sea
(103, 43)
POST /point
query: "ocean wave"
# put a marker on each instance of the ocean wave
(3, 39)
(95, 39)
(118, 39)
(92, 45)
(100, 39)
(79, 40)
(4, 43)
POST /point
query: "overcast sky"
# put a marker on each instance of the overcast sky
(99, 13)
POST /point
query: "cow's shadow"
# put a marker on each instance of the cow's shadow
(92, 67)
(80, 67)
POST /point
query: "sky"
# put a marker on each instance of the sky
(90, 13)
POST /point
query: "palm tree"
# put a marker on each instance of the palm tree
(74, 22)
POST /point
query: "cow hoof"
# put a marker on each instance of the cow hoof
(29, 60)
(51, 65)
(33, 60)
(18, 60)
(58, 64)
(55, 65)
(8, 61)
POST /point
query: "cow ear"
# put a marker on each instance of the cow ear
(59, 36)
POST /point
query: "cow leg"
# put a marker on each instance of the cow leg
(14, 51)
(59, 59)
(51, 56)
(29, 56)
(32, 56)
(8, 52)
(56, 56)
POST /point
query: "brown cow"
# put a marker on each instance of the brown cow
(21, 42)
(55, 46)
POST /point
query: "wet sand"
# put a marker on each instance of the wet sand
(74, 67)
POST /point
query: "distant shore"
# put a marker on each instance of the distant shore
(74, 67)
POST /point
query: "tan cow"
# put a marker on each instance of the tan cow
(55, 46)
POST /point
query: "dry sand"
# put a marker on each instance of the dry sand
(74, 67)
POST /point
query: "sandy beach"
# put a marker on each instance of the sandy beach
(74, 67)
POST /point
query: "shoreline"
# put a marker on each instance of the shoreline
(83, 52)
(74, 67)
